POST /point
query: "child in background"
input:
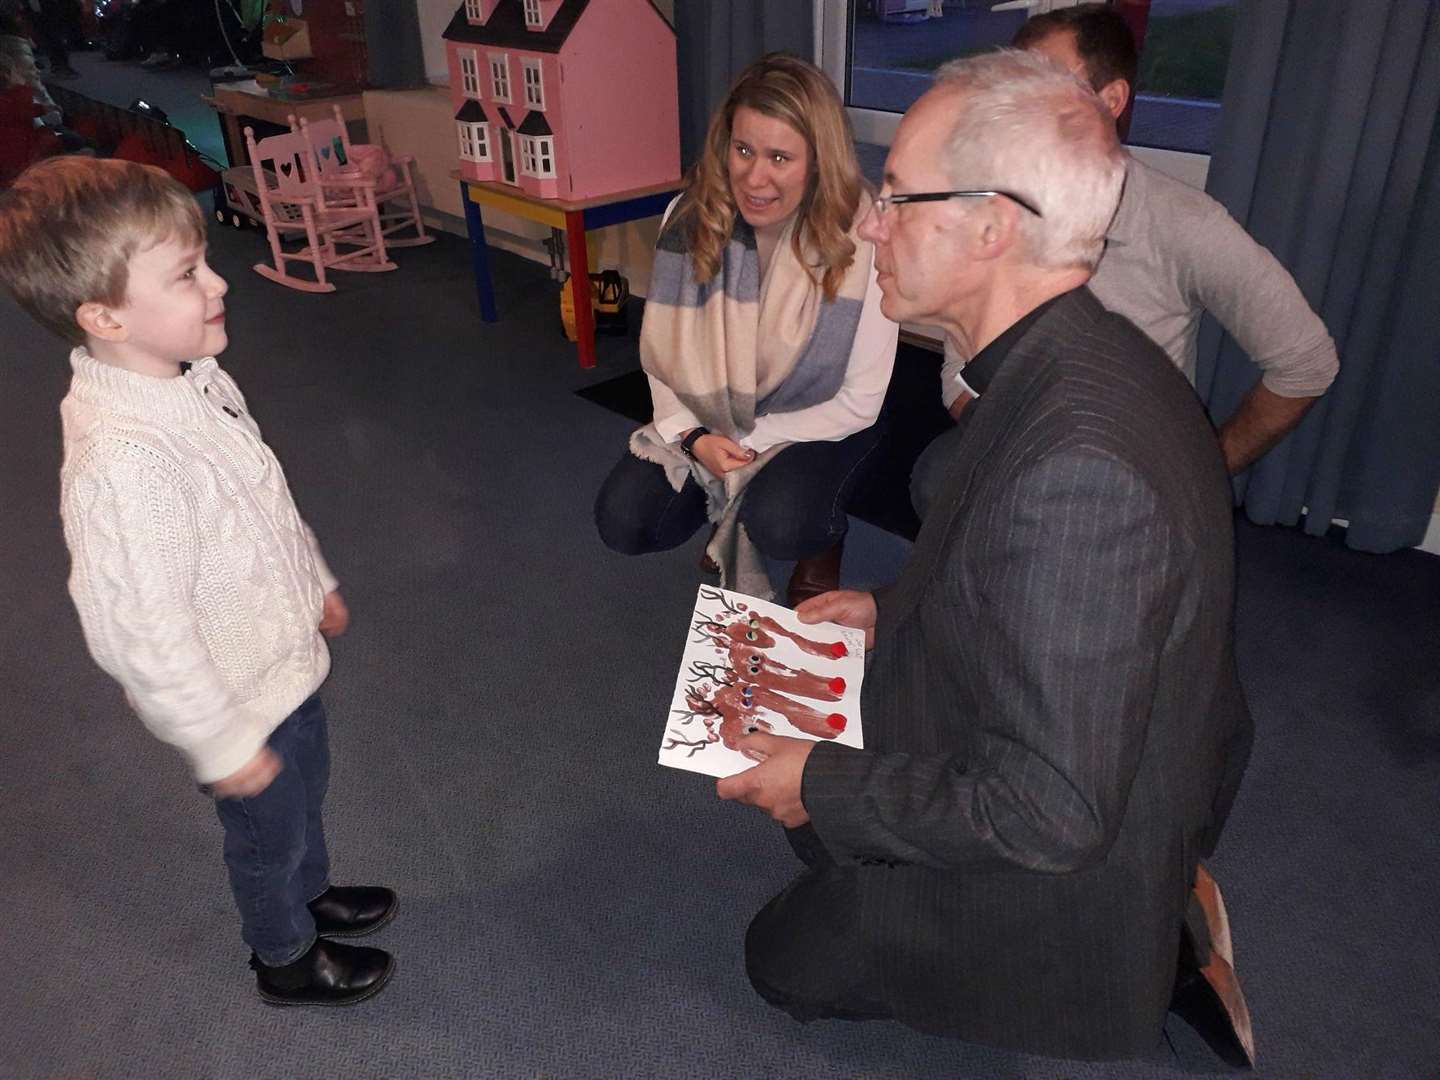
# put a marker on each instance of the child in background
(17, 68)
(199, 588)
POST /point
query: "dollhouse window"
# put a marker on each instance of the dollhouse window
(537, 155)
(475, 141)
(470, 73)
(544, 156)
(532, 13)
(534, 90)
(473, 11)
(500, 76)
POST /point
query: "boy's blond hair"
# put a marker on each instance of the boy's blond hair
(69, 226)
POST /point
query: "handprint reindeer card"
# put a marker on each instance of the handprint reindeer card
(751, 665)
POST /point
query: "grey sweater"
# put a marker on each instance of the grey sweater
(1172, 253)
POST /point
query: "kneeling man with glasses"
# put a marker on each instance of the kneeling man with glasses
(1053, 727)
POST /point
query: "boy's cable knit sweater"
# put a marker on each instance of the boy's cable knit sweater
(199, 588)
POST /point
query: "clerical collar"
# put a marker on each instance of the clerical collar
(976, 375)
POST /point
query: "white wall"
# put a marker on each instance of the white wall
(435, 15)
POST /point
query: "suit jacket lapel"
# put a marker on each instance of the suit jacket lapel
(993, 414)
(991, 417)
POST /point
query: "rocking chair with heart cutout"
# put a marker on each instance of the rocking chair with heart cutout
(293, 200)
(339, 159)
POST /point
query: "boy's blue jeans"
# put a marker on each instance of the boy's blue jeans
(275, 841)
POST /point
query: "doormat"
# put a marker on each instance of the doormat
(628, 395)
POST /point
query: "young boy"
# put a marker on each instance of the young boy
(199, 587)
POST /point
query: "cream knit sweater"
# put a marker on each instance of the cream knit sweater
(199, 587)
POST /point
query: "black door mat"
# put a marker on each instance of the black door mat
(628, 395)
(912, 416)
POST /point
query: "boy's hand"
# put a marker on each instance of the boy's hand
(251, 778)
(336, 616)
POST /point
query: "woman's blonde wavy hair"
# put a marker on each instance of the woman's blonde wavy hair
(799, 94)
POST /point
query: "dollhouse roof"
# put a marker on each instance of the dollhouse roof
(534, 124)
(471, 113)
(506, 27)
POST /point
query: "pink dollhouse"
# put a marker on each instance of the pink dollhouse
(567, 99)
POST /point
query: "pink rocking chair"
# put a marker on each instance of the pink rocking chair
(394, 188)
(296, 202)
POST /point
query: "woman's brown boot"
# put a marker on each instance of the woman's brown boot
(815, 575)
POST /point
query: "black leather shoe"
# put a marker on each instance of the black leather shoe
(329, 973)
(353, 910)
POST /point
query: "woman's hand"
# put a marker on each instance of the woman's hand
(719, 454)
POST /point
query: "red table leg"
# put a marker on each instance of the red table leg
(580, 286)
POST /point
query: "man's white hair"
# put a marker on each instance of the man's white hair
(1028, 126)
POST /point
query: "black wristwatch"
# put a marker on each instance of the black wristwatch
(687, 444)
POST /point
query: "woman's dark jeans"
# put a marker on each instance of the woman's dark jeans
(794, 507)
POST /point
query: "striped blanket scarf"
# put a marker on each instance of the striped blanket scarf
(737, 347)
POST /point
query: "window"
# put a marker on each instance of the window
(469, 73)
(532, 13)
(474, 141)
(481, 134)
(534, 91)
(895, 47)
(884, 54)
(1184, 55)
(537, 155)
(473, 11)
(467, 141)
(500, 77)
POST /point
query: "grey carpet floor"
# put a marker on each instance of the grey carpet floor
(570, 909)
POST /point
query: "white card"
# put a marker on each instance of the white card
(751, 665)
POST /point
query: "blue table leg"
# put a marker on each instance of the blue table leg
(479, 255)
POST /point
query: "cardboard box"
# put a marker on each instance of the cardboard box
(287, 40)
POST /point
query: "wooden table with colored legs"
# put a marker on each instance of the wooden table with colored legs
(575, 218)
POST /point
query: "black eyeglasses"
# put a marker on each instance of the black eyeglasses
(884, 202)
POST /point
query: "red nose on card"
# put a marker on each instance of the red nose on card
(837, 685)
(838, 649)
(836, 721)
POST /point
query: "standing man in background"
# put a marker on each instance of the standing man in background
(1171, 254)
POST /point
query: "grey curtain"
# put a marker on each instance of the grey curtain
(1329, 153)
(715, 39)
(392, 38)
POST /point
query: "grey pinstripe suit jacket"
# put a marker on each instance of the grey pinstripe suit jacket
(1052, 710)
